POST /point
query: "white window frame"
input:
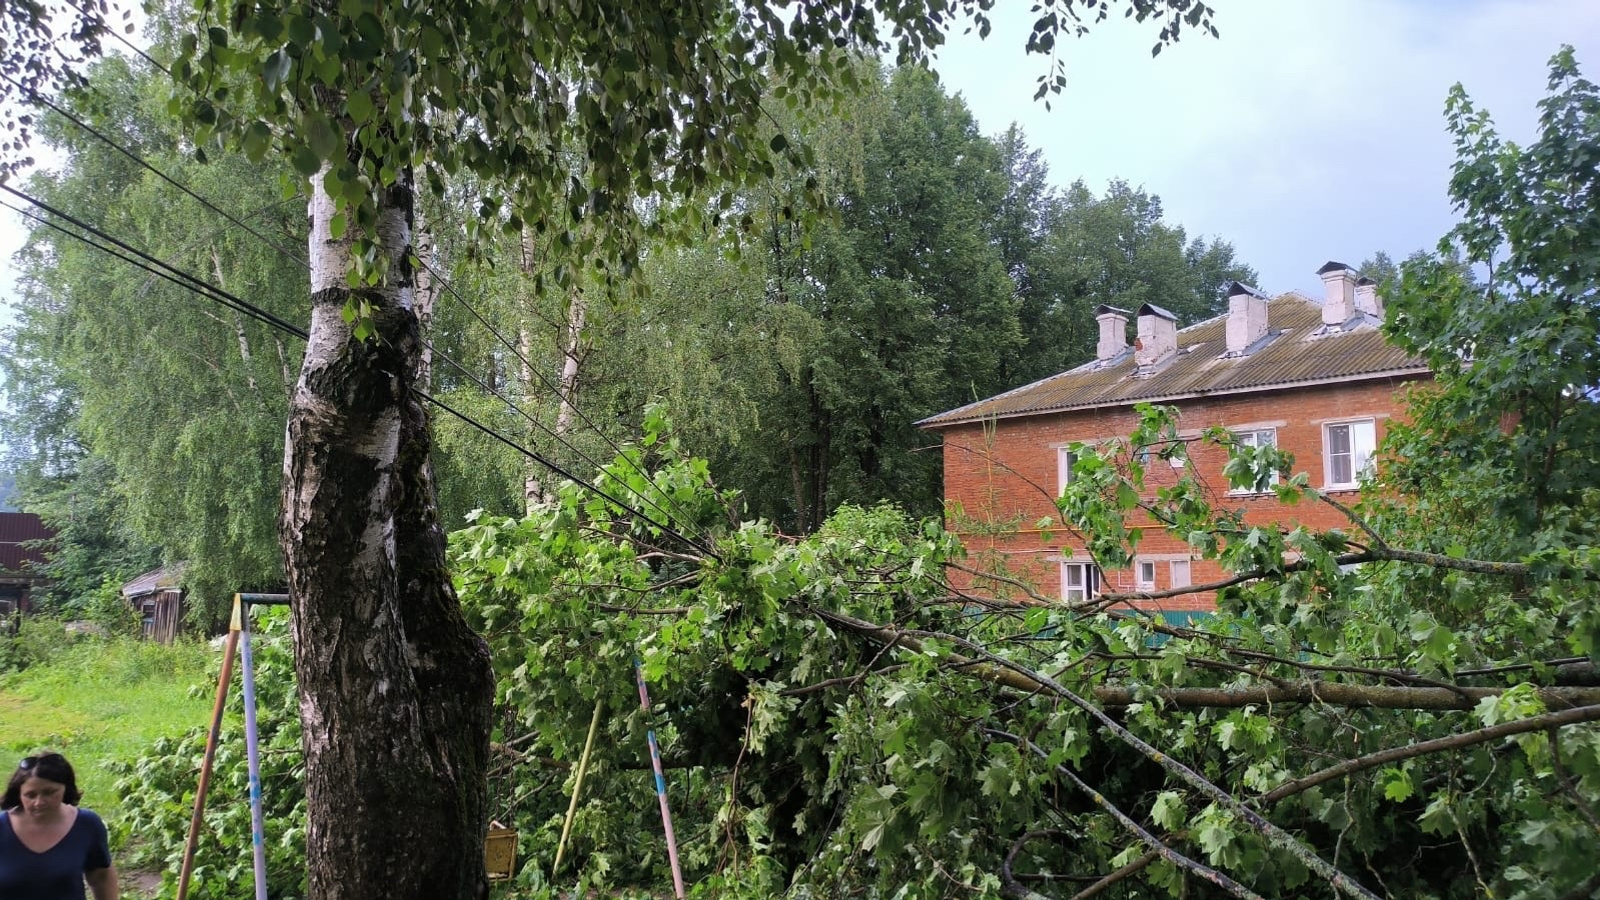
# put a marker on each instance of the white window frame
(1174, 567)
(1142, 567)
(1251, 437)
(1065, 457)
(1082, 586)
(1361, 437)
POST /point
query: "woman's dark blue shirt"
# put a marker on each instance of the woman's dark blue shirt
(57, 873)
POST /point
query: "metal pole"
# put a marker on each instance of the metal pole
(577, 787)
(241, 610)
(661, 783)
(229, 648)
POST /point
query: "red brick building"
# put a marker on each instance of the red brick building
(1317, 379)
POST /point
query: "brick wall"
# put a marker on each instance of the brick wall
(1000, 478)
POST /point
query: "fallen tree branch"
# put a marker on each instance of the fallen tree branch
(1003, 671)
(1127, 871)
(1199, 870)
(1584, 809)
(1453, 742)
(1336, 693)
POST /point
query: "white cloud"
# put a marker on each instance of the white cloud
(1308, 131)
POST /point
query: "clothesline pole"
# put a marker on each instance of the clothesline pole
(661, 783)
(230, 647)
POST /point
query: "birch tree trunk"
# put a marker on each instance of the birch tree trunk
(395, 689)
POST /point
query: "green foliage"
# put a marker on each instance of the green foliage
(102, 702)
(1467, 561)
(799, 368)
(157, 788)
(357, 98)
(30, 640)
(107, 608)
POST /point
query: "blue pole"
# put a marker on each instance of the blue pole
(253, 756)
(661, 783)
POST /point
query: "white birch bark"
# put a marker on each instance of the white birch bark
(238, 326)
(395, 690)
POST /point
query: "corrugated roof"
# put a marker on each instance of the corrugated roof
(17, 528)
(1295, 352)
(162, 579)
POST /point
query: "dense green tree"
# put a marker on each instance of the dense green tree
(1114, 249)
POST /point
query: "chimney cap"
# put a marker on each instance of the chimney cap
(1332, 266)
(1235, 288)
(1104, 310)
(1364, 281)
(1150, 309)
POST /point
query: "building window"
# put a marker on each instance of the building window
(1256, 437)
(1065, 459)
(1349, 450)
(1080, 581)
(1144, 575)
(1180, 573)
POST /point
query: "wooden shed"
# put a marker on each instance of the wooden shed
(158, 598)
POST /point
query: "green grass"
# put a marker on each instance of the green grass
(104, 699)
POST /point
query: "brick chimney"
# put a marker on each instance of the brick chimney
(1339, 301)
(1113, 332)
(1247, 317)
(1158, 336)
(1367, 299)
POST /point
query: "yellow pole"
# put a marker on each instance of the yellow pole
(577, 788)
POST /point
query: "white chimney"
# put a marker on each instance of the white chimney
(1247, 317)
(1339, 301)
(1158, 335)
(1113, 332)
(1367, 299)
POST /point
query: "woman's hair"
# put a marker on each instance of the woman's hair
(50, 767)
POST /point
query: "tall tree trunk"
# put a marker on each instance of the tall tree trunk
(427, 299)
(572, 349)
(532, 487)
(395, 689)
(238, 327)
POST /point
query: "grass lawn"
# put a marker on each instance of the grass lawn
(104, 699)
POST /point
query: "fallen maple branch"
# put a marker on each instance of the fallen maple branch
(1453, 742)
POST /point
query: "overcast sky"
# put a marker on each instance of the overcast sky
(1308, 131)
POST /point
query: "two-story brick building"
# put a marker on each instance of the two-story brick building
(1317, 379)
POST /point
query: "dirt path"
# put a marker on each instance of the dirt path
(141, 881)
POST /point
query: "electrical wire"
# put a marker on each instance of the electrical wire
(106, 27)
(449, 287)
(46, 103)
(203, 288)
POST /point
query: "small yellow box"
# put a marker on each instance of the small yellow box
(500, 852)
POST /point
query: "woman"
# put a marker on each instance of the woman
(49, 846)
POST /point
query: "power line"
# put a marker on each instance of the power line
(199, 286)
(182, 278)
(106, 27)
(131, 260)
(45, 102)
(559, 438)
